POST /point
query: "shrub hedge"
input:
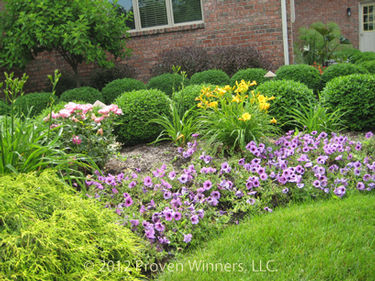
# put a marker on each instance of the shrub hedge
(249, 74)
(33, 103)
(3, 108)
(167, 83)
(362, 56)
(288, 94)
(186, 97)
(354, 94)
(48, 232)
(212, 76)
(115, 88)
(139, 107)
(303, 73)
(85, 94)
(369, 65)
(341, 69)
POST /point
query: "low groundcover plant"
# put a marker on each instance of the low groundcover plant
(172, 209)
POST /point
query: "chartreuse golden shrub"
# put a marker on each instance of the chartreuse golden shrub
(233, 116)
(47, 232)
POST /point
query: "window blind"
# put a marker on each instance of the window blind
(152, 13)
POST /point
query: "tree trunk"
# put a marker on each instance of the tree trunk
(76, 75)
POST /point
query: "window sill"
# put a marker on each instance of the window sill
(166, 29)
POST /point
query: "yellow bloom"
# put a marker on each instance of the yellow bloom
(242, 87)
(271, 98)
(273, 121)
(236, 99)
(227, 88)
(264, 106)
(245, 117)
(212, 104)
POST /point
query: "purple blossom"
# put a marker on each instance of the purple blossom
(147, 181)
(268, 209)
(215, 194)
(340, 191)
(168, 215)
(250, 201)
(132, 184)
(194, 219)
(361, 186)
(159, 227)
(183, 178)
(285, 190)
(369, 135)
(128, 201)
(177, 216)
(207, 185)
(187, 237)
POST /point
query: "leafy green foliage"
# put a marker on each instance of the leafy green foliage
(362, 57)
(34, 103)
(303, 73)
(212, 76)
(341, 69)
(249, 74)
(369, 65)
(4, 108)
(316, 117)
(167, 83)
(346, 55)
(100, 77)
(299, 237)
(177, 127)
(119, 86)
(186, 97)
(288, 94)
(356, 95)
(85, 94)
(79, 30)
(319, 42)
(138, 108)
(49, 233)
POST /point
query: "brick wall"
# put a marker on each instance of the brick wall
(308, 12)
(255, 23)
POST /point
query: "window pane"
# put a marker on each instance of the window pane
(126, 7)
(365, 26)
(153, 13)
(186, 10)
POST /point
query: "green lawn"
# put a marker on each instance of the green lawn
(331, 240)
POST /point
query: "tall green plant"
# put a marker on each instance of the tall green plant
(319, 42)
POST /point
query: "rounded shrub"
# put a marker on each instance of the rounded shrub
(48, 232)
(139, 107)
(33, 103)
(354, 94)
(86, 94)
(303, 73)
(212, 76)
(341, 69)
(186, 97)
(3, 108)
(249, 74)
(115, 88)
(288, 94)
(166, 83)
(369, 65)
(363, 56)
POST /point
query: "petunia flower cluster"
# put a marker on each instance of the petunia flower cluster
(170, 208)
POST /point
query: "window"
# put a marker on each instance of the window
(158, 13)
(369, 17)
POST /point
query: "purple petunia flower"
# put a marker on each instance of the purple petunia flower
(200, 213)
(177, 216)
(285, 190)
(183, 178)
(207, 185)
(134, 222)
(361, 186)
(147, 181)
(114, 190)
(126, 195)
(268, 209)
(187, 237)
(132, 184)
(250, 201)
(167, 195)
(340, 191)
(159, 227)
(194, 219)
(215, 194)
(168, 215)
(128, 201)
(369, 135)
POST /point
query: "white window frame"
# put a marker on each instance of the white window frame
(170, 18)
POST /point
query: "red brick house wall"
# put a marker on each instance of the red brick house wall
(255, 23)
(308, 11)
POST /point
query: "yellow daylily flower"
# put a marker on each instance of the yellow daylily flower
(236, 99)
(273, 121)
(212, 104)
(245, 117)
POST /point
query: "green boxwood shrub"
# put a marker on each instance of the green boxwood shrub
(115, 88)
(48, 232)
(3, 108)
(354, 94)
(369, 65)
(86, 94)
(139, 107)
(345, 55)
(33, 103)
(341, 69)
(249, 74)
(212, 76)
(362, 57)
(303, 73)
(186, 97)
(166, 83)
(288, 94)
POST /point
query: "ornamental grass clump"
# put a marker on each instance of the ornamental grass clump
(233, 116)
(175, 209)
